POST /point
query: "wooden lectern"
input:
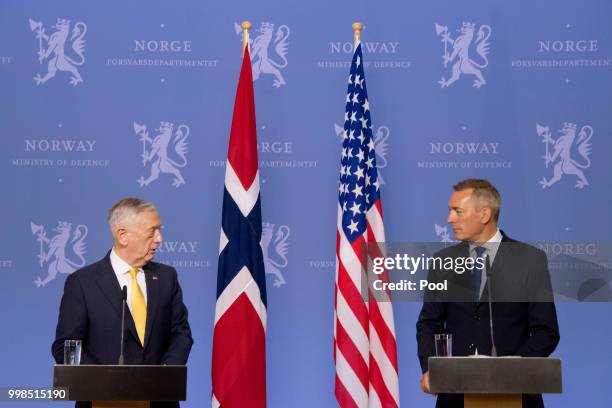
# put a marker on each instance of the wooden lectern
(122, 386)
(497, 382)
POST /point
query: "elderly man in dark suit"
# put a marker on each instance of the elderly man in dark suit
(157, 330)
(525, 324)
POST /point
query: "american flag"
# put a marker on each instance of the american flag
(239, 339)
(365, 350)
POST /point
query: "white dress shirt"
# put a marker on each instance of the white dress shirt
(491, 247)
(122, 271)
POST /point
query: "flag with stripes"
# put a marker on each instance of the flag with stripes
(239, 338)
(365, 350)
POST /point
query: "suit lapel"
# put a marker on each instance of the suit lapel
(152, 279)
(108, 284)
(503, 252)
(501, 258)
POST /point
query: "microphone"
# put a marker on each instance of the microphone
(489, 281)
(123, 301)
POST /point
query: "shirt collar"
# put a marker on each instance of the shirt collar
(119, 265)
(492, 243)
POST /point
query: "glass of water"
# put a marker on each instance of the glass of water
(444, 344)
(72, 352)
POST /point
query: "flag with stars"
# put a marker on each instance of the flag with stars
(365, 350)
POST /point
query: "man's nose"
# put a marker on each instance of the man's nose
(158, 237)
(451, 217)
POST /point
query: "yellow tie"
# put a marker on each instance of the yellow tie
(139, 307)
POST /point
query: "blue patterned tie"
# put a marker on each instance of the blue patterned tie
(478, 273)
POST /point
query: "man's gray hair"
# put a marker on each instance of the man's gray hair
(484, 192)
(127, 207)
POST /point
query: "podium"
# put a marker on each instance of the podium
(122, 386)
(494, 381)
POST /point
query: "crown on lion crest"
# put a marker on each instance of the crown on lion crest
(62, 21)
(63, 224)
(265, 25)
(467, 25)
(165, 126)
(569, 126)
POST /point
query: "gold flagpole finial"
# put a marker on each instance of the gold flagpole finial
(357, 27)
(246, 26)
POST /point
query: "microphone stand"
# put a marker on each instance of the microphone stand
(488, 272)
(123, 301)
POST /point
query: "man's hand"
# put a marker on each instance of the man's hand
(425, 383)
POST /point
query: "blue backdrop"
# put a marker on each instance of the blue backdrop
(457, 89)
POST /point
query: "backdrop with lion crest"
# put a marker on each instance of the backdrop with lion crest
(102, 100)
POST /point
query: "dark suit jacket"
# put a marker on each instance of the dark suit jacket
(90, 310)
(525, 328)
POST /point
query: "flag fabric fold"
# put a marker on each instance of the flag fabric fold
(365, 349)
(239, 337)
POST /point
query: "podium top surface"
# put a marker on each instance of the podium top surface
(495, 375)
(122, 382)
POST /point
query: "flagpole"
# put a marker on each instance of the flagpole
(357, 27)
(246, 26)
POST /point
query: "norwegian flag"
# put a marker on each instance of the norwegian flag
(365, 350)
(239, 339)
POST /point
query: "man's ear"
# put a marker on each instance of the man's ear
(485, 215)
(121, 235)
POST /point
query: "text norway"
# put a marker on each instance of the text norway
(66, 145)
